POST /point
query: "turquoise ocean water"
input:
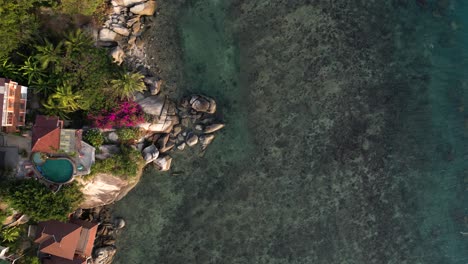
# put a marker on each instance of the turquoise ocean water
(346, 136)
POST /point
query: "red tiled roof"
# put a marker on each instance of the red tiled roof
(68, 243)
(58, 238)
(88, 234)
(46, 134)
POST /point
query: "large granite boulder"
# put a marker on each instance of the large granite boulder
(146, 9)
(206, 140)
(191, 140)
(107, 35)
(163, 112)
(213, 128)
(117, 55)
(203, 104)
(153, 84)
(122, 31)
(163, 163)
(150, 153)
(104, 255)
(126, 2)
(102, 189)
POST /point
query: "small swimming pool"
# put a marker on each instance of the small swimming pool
(58, 170)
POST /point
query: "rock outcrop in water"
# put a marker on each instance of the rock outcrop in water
(171, 125)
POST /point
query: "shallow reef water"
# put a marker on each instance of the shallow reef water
(346, 136)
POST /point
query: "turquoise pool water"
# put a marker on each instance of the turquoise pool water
(57, 170)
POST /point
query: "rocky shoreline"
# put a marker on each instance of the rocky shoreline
(174, 125)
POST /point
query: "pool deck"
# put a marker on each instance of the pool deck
(86, 158)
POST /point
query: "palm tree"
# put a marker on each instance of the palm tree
(48, 54)
(43, 87)
(77, 41)
(127, 85)
(7, 69)
(63, 101)
(32, 70)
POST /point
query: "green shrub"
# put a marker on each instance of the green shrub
(84, 7)
(29, 260)
(10, 234)
(125, 164)
(37, 201)
(127, 134)
(94, 137)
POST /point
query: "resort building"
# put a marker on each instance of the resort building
(50, 138)
(13, 98)
(65, 243)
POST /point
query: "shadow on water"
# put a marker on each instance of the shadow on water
(345, 138)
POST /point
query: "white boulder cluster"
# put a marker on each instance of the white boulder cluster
(176, 127)
(124, 26)
(169, 126)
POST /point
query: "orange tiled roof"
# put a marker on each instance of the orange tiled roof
(88, 234)
(58, 238)
(72, 241)
(46, 134)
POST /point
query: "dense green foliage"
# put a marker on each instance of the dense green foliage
(17, 24)
(127, 134)
(29, 260)
(36, 200)
(125, 164)
(10, 234)
(63, 101)
(94, 137)
(84, 7)
(127, 84)
(72, 74)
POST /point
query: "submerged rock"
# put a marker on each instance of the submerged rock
(191, 140)
(205, 140)
(119, 223)
(163, 163)
(181, 146)
(213, 128)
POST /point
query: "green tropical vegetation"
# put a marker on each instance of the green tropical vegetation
(10, 234)
(63, 101)
(72, 79)
(29, 260)
(127, 134)
(126, 164)
(84, 7)
(127, 84)
(40, 203)
(94, 137)
(17, 24)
